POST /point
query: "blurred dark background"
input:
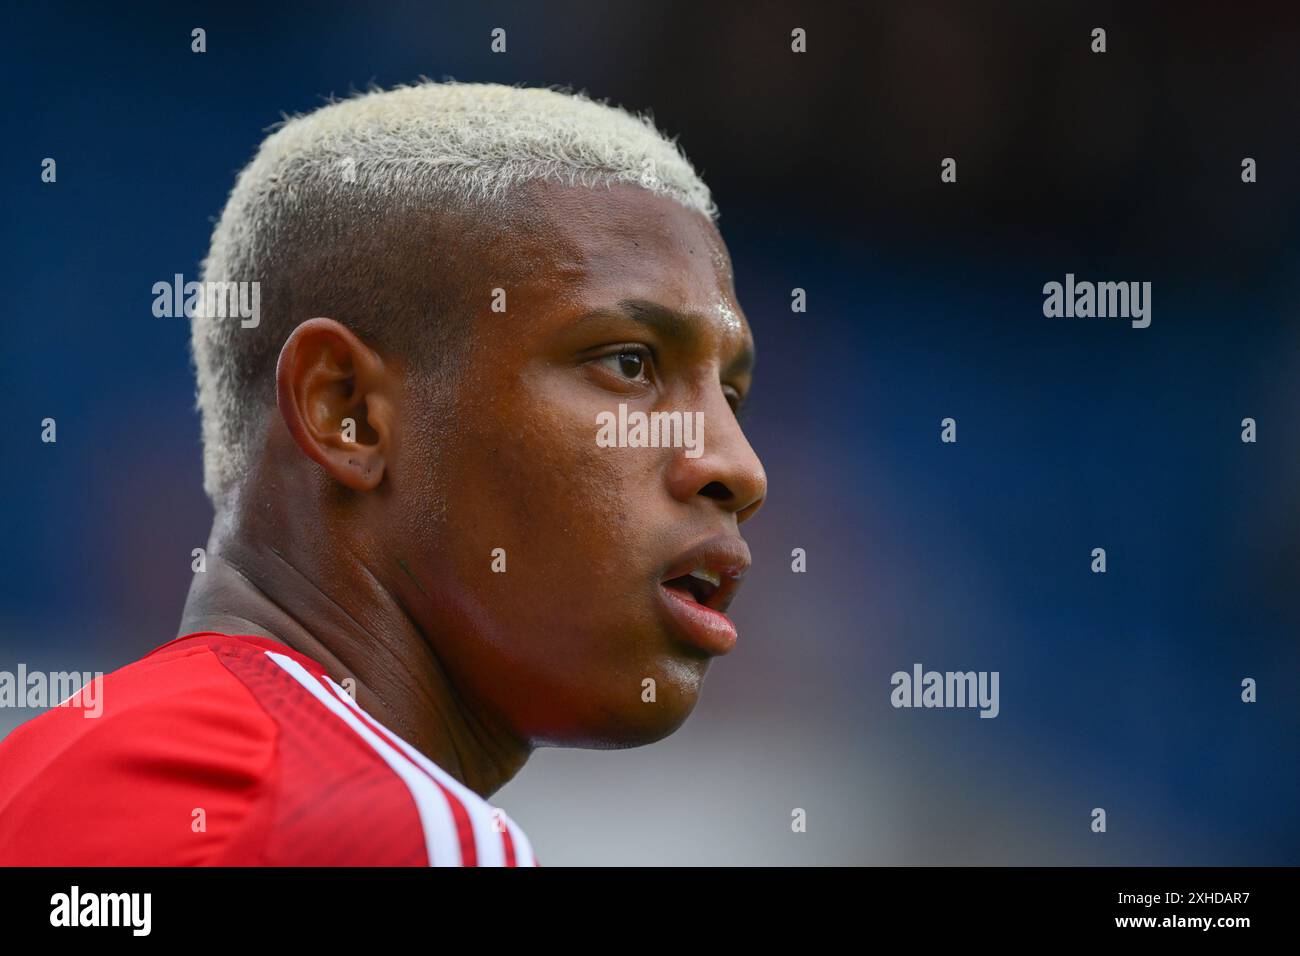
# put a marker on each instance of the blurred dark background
(924, 301)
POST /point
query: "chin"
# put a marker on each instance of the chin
(612, 723)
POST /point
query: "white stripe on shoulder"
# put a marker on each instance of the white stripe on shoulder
(523, 846)
(488, 845)
(441, 841)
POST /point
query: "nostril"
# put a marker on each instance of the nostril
(717, 491)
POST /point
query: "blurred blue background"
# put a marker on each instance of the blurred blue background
(1119, 690)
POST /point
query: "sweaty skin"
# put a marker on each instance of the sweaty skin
(376, 557)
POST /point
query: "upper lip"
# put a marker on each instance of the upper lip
(726, 556)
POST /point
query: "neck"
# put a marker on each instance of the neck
(338, 612)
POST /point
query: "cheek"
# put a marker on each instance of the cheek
(571, 620)
(569, 521)
(563, 499)
(530, 480)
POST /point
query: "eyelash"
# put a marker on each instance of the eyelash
(610, 357)
(646, 354)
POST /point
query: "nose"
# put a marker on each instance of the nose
(727, 471)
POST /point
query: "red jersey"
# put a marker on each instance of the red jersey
(235, 751)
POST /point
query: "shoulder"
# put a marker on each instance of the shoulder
(132, 768)
(427, 808)
(235, 751)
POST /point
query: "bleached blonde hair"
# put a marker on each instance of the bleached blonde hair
(322, 185)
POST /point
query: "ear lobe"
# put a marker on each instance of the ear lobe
(332, 391)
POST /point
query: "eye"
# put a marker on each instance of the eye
(735, 400)
(628, 364)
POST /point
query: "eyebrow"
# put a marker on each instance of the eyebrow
(672, 324)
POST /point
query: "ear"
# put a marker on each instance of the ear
(335, 395)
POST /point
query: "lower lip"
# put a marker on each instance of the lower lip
(704, 627)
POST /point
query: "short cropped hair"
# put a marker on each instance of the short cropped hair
(314, 216)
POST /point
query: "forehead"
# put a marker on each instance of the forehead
(595, 246)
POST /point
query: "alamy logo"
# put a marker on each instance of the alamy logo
(947, 689)
(75, 908)
(653, 430)
(1123, 300)
(54, 689)
(217, 300)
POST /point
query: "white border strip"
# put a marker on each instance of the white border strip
(441, 840)
(491, 849)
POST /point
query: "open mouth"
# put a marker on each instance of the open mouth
(699, 585)
(698, 588)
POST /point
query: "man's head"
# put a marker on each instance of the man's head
(474, 277)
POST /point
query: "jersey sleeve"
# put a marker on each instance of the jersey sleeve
(168, 781)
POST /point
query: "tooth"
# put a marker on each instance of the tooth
(704, 574)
